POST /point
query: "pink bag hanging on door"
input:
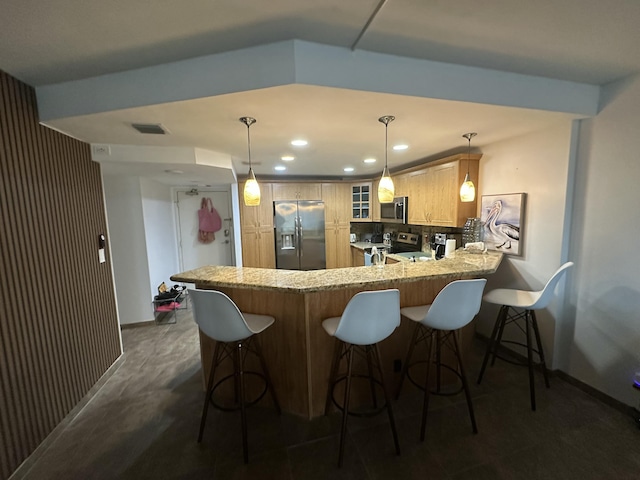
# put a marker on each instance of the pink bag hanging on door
(209, 221)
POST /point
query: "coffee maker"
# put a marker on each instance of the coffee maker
(438, 244)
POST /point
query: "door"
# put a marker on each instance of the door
(194, 254)
(311, 232)
(287, 238)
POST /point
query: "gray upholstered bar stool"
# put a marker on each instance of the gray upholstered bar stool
(516, 305)
(234, 332)
(453, 308)
(368, 318)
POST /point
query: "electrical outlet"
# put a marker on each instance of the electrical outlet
(101, 149)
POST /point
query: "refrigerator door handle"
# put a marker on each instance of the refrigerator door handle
(300, 237)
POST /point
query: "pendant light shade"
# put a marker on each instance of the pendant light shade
(251, 187)
(468, 189)
(386, 190)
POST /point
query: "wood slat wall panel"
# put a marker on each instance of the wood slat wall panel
(58, 324)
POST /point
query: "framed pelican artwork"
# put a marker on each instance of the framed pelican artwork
(502, 218)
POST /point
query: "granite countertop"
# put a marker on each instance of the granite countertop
(365, 245)
(462, 264)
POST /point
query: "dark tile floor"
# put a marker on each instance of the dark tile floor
(143, 424)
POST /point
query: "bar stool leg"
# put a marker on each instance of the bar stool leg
(372, 384)
(540, 350)
(491, 345)
(532, 387)
(405, 366)
(333, 374)
(265, 371)
(425, 403)
(503, 322)
(387, 399)
(207, 395)
(465, 384)
(438, 360)
(239, 364)
(345, 413)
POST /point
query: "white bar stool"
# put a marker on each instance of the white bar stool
(368, 318)
(453, 308)
(523, 303)
(220, 319)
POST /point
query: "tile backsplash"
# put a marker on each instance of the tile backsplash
(364, 231)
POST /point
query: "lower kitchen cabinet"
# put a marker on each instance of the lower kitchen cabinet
(258, 247)
(357, 257)
(338, 248)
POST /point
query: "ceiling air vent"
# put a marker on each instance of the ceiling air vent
(150, 128)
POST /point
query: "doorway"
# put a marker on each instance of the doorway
(193, 253)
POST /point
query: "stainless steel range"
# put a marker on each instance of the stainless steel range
(406, 242)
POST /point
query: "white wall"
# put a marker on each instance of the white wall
(159, 232)
(128, 247)
(602, 346)
(538, 165)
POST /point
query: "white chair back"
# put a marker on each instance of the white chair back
(547, 292)
(369, 317)
(455, 305)
(218, 316)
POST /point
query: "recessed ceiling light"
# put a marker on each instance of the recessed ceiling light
(288, 158)
(176, 172)
(349, 169)
(299, 143)
(369, 160)
(280, 168)
(400, 147)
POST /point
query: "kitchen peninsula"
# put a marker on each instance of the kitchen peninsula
(296, 348)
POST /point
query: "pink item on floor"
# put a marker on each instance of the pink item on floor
(168, 307)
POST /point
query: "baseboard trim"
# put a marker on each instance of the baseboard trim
(31, 460)
(588, 389)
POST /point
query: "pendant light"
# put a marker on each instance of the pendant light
(468, 189)
(386, 190)
(251, 187)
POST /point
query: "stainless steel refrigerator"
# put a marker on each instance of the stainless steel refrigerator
(299, 232)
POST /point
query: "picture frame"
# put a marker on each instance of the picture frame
(502, 219)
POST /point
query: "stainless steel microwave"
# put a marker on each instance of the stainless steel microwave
(394, 212)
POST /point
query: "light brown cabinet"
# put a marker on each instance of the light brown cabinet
(296, 191)
(256, 224)
(361, 198)
(357, 257)
(433, 192)
(337, 215)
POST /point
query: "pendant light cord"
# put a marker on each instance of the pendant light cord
(387, 119)
(386, 144)
(249, 143)
(469, 136)
(248, 121)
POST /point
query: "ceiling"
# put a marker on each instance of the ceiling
(586, 41)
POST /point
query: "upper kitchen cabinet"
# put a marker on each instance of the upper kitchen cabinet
(296, 191)
(375, 203)
(434, 191)
(337, 202)
(361, 202)
(337, 216)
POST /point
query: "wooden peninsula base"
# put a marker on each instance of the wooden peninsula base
(296, 348)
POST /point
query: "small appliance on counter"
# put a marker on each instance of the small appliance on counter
(439, 244)
(386, 239)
